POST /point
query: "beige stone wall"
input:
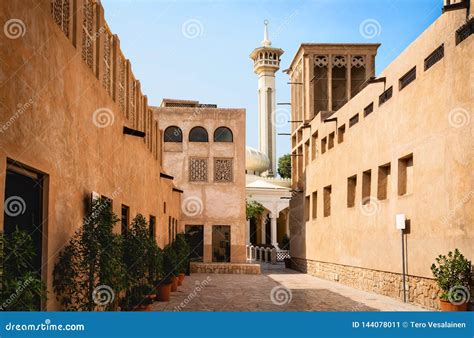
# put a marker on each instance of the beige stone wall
(217, 203)
(419, 290)
(48, 99)
(431, 119)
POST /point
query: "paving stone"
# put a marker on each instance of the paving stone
(293, 291)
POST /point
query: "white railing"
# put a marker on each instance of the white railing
(265, 255)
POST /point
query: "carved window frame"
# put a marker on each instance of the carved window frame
(198, 170)
(222, 177)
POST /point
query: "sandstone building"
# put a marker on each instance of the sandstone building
(74, 122)
(366, 149)
(204, 150)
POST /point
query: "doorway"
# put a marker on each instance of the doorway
(195, 234)
(221, 243)
(23, 209)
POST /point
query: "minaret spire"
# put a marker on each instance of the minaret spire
(266, 42)
(266, 62)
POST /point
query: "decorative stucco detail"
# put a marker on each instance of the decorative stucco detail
(321, 60)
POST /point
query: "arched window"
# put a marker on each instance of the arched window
(198, 134)
(223, 134)
(173, 134)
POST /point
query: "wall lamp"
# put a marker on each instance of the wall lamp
(374, 79)
(133, 132)
(296, 190)
(169, 177)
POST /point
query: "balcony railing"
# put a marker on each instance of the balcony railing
(266, 62)
(265, 255)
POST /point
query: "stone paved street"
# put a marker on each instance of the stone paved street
(227, 292)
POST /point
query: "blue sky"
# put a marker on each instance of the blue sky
(200, 49)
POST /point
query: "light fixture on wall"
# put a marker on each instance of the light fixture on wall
(400, 224)
(133, 132)
(374, 79)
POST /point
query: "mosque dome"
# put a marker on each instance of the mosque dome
(256, 161)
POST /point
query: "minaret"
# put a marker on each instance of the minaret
(266, 62)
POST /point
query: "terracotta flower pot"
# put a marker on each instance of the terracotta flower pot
(163, 292)
(180, 278)
(449, 307)
(174, 284)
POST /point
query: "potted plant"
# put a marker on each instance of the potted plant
(92, 258)
(136, 299)
(155, 262)
(165, 284)
(163, 289)
(453, 275)
(170, 266)
(181, 248)
(149, 292)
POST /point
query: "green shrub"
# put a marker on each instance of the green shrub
(451, 271)
(154, 261)
(181, 247)
(170, 263)
(253, 209)
(136, 248)
(21, 288)
(93, 257)
(135, 296)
